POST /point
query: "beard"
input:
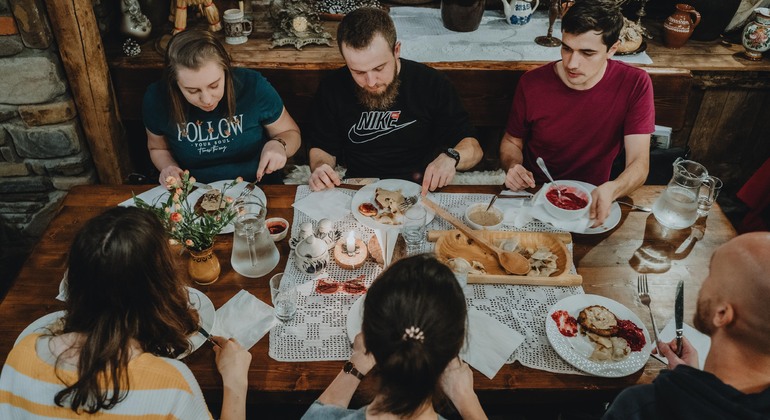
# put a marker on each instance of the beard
(703, 317)
(379, 101)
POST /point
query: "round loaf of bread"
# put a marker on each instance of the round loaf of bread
(599, 320)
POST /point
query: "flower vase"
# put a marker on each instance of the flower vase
(756, 35)
(203, 266)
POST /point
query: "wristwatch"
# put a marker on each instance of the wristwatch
(454, 154)
(351, 369)
(280, 140)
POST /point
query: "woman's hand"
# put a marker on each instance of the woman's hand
(457, 384)
(170, 171)
(273, 158)
(232, 361)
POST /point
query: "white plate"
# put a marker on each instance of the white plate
(355, 318)
(233, 192)
(366, 195)
(610, 222)
(198, 300)
(577, 350)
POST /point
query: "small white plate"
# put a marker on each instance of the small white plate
(355, 318)
(233, 192)
(366, 195)
(577, 350)
(198, 300)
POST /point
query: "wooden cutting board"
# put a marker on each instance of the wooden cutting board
(453, 244)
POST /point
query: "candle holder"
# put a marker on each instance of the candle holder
(556, 8)
(350, 259)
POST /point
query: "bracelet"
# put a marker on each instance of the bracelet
(279, 140)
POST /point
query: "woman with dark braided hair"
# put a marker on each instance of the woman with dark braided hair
(128, 316)
(414, 327)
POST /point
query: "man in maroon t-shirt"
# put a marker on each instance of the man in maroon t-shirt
(580, 112)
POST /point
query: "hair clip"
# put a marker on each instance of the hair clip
(413, 333)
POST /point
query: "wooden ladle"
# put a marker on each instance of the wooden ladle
(512, 262)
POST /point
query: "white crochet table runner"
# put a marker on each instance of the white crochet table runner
(319, 332)
(424, 38)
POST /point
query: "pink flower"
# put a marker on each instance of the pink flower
(178, 191)
(228, 199)
(167, 209)
(173, 241)
(192, 180)
(175, 199)
(177, 207)
(176, 217)
(170, 182)
(186, 172)
(239, 180)
(189, 242)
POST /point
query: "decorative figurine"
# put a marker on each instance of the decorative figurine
(179, 14)
(296, 23)
(556, 8)
(133, 23)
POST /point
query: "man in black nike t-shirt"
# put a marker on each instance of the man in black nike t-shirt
(386, 117)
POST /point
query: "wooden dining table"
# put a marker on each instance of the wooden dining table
(609, 263)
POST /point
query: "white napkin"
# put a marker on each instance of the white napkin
(150, 196)
(330, 204)
(392, 237)
(245, 318)
(539, 212)
(490, 343)
(700, 341)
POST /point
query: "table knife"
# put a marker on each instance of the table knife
(207, 335)
(679, 316)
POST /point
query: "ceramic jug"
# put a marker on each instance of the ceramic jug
(678, 27)
(254, 252)
(756, 35)
(519, 12)
(677, 206)
(462, 15)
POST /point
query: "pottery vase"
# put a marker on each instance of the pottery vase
(462, 15)
(756, 35)
(679, 26)
(203, 266)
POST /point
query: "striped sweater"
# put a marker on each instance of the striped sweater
(160, 388)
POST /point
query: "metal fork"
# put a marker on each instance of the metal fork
(245, 192)
(407, 203)
(644, 297)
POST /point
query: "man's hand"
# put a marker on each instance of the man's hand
(170, 171)
(439, 173)
(602, 198)
(363, 360)
(518, 178)
(323, 177)
(689, 354)
(273, 158)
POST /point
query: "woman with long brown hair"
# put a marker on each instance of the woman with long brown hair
(127, 318)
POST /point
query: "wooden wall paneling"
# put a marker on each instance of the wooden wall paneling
(707, 123)
(671, 88)
(681, 137)
(82, 53)
(758, 151)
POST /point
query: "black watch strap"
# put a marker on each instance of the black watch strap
(454, 154)
(350, 368)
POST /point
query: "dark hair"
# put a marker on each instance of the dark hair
(418, 292)
(121, 285)
(192, 49)
(359, 27)
(602, 16)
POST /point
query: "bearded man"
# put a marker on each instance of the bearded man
(384, 116)
(735, 380)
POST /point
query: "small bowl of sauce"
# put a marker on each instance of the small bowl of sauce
(278, 228)
(478, 217)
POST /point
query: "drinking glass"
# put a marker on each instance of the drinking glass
(708, 195)
(284, 296)
(414, 226)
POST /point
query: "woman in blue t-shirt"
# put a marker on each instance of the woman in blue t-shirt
(217, 121)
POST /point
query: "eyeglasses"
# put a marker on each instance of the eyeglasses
(354, 286)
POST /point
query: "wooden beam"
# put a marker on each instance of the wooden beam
(82, 53)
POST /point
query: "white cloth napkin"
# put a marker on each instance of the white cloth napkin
(150, 196)
(392, 237)
(700, 341)
(330, 204)
(245, 318)
(490, 343)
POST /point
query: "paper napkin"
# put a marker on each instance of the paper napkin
(490, 343)
(700, 341)
(392, 237)
(150, 196)
(331, 204)
(245, 318)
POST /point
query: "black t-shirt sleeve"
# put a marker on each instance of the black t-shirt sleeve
(324, 131)
(452, 120)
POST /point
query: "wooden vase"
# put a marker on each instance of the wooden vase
(678, 27)
(203, 266)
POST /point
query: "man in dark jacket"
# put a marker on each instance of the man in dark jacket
(732, 310)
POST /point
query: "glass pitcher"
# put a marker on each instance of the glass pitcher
(677, 206)
(254, 252)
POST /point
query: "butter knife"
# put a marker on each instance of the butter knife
(207, 335)
(679, 316)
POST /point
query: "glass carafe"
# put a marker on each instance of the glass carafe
(677, 206)
(254, 252)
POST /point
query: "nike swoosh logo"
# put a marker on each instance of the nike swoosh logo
(372, 135)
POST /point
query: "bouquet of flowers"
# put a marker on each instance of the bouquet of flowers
(195, 228)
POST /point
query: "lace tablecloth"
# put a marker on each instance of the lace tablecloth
(424, 38)
(318, 330)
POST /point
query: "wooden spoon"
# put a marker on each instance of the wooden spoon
(512, 262)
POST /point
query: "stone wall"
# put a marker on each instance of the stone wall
(42, 148)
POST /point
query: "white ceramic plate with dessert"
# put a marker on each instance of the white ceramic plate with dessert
(579, 349)
(395, 188)
(232, 192)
